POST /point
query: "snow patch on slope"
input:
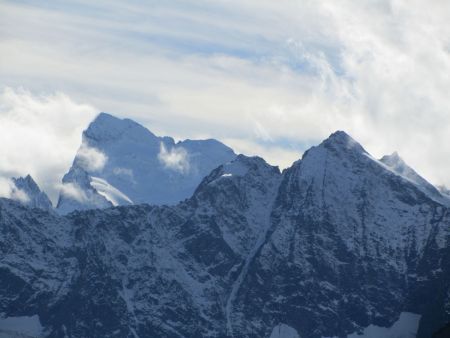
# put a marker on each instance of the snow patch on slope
(284, 331)
(405, 327)
(115, 196)
(20, 327)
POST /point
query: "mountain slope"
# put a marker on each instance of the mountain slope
(397, 165)
(335, 245)
(120, 162)
(350, 245)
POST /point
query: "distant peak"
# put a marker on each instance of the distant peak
(29, 193)
(339, 134)
(105, 116)
(106, 126)
(108, 120)
(242, 164)
(250, 161)
(342, 140)
(26, 182)
(392, 160)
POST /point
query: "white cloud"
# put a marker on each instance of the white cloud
(176, 158)
(91, 159)
(72, 190)
(39, 135)
(9, 190)
(124, 172)
(254, 72)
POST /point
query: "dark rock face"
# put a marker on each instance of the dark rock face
(333, 244)
(443, 332)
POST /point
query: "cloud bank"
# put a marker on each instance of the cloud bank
(9, 190)
(39, 135)
(267, 79)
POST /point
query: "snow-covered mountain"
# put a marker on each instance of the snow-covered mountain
(336, 245)
(26, 191)
(120, 162)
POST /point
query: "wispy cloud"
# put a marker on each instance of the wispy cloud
(39, 135)
(175, 158)
(260, 74)
(74, 191)
(91, 159)
(9, 190)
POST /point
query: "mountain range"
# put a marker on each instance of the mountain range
(153, 238)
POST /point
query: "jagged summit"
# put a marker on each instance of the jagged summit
(340, 135)
(341, 140)
(32, 195)
(27, 182)
(393, 159)
(250, 163)
(242, 166)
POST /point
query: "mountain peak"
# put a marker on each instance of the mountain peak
(339, 134)
(242, 164)
(340, 139)
(26, 182)
(33, 196)
(393, 159)
(120, 157)
(108, 127)
(241, 167)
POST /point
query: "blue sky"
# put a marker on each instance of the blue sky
(267, 78)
